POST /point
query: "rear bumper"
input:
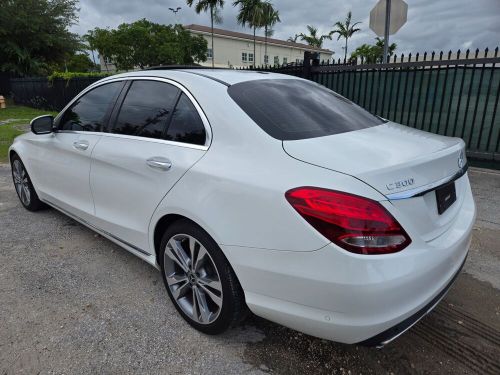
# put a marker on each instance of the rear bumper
(392, 333)
(351, 298)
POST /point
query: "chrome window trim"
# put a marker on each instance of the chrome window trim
(138, 138)
(419, 191)
(201, 113)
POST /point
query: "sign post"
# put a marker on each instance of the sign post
(386, 18)
(386, 31)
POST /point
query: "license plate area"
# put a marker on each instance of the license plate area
(445, 196)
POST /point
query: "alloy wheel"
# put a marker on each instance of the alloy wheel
(21, 182)
(193, 278)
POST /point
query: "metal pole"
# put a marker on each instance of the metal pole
(386, 33)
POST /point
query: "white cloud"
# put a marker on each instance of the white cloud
(432, 24)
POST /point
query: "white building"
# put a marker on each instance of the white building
(234, 49)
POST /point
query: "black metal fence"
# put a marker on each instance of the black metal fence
(39, 92)
(449, 94)
(5, 78)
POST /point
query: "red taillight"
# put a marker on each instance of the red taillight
(357, 224)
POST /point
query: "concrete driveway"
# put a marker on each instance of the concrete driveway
(73, 302)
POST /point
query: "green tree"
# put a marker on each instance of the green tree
(371, 54)
(100, 40)
(346, 30)
(367, 53)
(380, 45)
(80, 63)
(89, 40)
(293, 39)
(213, 6)
(251, 15)
(144, 43)
(270, 17)
(34, 35)
(313, 39)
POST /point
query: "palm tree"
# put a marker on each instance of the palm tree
(90, 39)
(346, 30)
(380, 45)
(250, 14)
(270, 17)
(213, 6)
(293, 39)
(313, 39)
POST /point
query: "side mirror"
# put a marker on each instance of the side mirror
(42, 124)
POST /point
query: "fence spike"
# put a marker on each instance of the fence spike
(486, 52)
(409, 57)
(432, 55)
(467, 53)
(477, 52)
(425, 55)
(416, 56)
(496, 52)
(449, 54)
(458, 54)
(441, 55)
(394, 58)
(402, 57)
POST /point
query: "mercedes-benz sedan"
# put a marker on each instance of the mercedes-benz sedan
(260, 191)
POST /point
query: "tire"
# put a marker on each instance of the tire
(24, 187)
(205, 291)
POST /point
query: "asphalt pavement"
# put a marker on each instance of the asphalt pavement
(72, 302)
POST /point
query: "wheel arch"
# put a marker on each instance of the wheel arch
(161, 226)
(13, 153)
(167, 220)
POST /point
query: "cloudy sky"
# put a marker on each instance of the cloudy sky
(432, 24)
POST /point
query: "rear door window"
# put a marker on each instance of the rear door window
(290, 109)
(146, 109)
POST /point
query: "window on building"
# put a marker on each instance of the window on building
(285, 60)
(210, 53)
(266, 59)
(276, 60)
(244, 57)
(250, 57)
(297, 61)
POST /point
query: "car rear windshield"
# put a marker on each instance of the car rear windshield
(290, 109)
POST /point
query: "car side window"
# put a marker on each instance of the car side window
(89, 112)
(186, 125)
(146, 109)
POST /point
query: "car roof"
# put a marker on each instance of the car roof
(227, 77)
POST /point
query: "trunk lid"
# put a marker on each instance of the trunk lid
(395, 160)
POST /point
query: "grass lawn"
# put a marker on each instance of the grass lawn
(18, 118)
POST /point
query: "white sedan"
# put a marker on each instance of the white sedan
(259, 191)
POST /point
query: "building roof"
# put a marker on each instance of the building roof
(234, 34)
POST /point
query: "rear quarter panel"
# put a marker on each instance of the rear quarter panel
(236, 192)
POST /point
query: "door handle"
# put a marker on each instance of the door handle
(159, 163)
(81, 145)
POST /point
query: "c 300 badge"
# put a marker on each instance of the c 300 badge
(400, 184)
